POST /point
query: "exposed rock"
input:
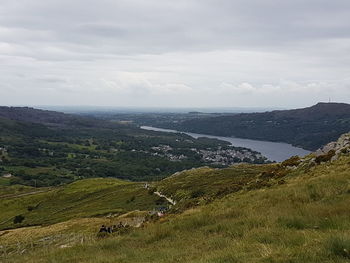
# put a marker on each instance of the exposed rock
(342, 145)
(65, 246)
(7, 175)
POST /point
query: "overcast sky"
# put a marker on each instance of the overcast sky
(167, 53)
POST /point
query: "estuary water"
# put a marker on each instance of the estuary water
(274, 151)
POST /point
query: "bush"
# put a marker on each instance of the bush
(325, 157)
(292, 161)
(197, 193)
(18, 219)
(30, 208)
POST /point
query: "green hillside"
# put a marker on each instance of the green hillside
(84, 198)
(46, 148)
(297, 211)
(309, 128)
(203, 185)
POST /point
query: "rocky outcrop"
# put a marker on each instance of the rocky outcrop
(342, 145)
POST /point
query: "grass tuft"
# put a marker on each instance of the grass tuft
(339, 246)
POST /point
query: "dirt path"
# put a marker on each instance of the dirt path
(171, 201)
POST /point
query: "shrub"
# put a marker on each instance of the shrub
(325, 157)
(18, 219)
(197, 193)
(30, 208)
(292, 161)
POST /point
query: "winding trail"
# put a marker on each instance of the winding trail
(171, 201)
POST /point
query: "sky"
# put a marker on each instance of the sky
(166, 53)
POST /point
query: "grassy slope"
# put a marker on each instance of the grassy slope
(84, 198)
(209, 181)
(307, 219)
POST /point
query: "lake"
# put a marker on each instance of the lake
(274, 151)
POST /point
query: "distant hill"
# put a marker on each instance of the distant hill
(309, 128)
(51, 118)
(28, 114)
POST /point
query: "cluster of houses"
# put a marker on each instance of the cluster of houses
(230, 156)
(215, 156)
(165, 151)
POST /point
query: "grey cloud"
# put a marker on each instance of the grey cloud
(103, 30)
(179, 47)
(52, 80)
(168, 26)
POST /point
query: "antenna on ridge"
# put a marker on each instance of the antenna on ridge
(329, 100)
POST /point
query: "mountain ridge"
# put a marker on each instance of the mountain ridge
(309, 128)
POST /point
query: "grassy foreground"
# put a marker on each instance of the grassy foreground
(81, 199)
(305, 219)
